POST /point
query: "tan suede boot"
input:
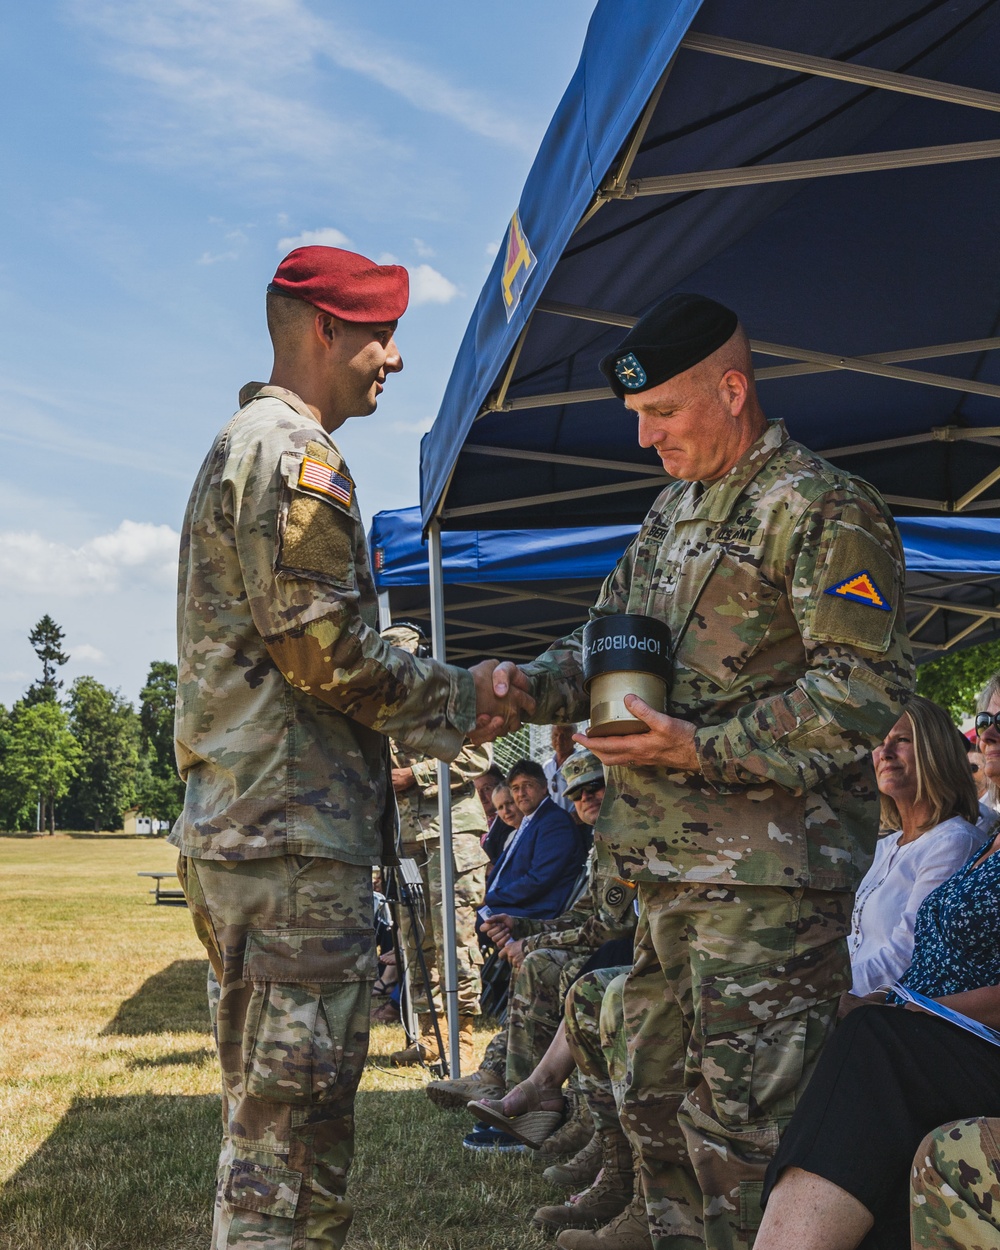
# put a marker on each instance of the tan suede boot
(580, 1171)
(570, 1138)
(627, 1231)
(458, 1092)
(423, 1050)
(607, 1197)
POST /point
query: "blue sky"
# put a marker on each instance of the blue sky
(158, 160)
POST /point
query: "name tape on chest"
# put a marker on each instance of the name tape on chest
(860, 588)
(319, 476)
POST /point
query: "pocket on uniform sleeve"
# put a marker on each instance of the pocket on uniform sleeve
(762, 1024)
(310, 989)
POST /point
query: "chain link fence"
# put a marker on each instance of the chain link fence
(533, 742)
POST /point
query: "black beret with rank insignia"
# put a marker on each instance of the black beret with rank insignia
(676, 334)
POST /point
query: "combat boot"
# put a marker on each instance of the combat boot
(607, 1197)
(569, 1139)
(580, 1171)
(627, 1231)
(457, 1093)
(423, 1050)
(466, 1043)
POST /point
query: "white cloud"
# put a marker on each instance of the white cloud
(213, 258)
(427, 286)
(423, 249)
(135, 555)
(491, 249)
(426, 90)
(327, 236)
(245, 84)
(387, 258)
(85, 652)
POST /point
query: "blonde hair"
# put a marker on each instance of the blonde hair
(944, 778)
(991, 691)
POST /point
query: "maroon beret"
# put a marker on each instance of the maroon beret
(345, 284)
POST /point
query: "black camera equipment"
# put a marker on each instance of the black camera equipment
(403, 887)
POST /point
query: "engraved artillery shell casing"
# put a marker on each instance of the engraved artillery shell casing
(624, 654)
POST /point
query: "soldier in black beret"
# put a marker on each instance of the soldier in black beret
(747, 814)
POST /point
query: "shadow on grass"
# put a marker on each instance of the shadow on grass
(174, 1000)
(175, 1059)
(128, 1173)
(137, 1173)
(416, 1187)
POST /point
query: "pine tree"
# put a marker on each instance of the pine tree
(46, 639)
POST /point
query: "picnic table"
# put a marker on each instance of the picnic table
(162, 894)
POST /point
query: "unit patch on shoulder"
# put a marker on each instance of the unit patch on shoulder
(319, 476)
(860, 588)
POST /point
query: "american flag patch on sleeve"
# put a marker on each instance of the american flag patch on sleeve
(317, 475)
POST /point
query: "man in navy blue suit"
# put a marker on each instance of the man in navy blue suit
(540, 868)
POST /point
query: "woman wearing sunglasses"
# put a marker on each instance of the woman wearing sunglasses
(929, 805)
(889, 1074)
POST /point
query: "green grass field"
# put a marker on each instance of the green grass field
(108, 1104)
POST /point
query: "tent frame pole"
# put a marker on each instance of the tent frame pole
(438, 650)
(821, 167)
(843, 71)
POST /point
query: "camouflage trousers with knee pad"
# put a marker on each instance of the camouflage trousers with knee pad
(290, 941)
(596, 1040)
(535, 1007)
(955, 1187)
(732, 993)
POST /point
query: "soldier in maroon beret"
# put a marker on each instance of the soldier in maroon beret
(286, 693)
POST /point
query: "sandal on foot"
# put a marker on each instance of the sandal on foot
(533, 1126)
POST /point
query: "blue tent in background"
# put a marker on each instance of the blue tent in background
(509, 593)
(830, 171)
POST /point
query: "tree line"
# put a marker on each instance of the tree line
(81, 760)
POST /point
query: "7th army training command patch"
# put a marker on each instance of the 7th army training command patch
(316, 475)
(860, 588)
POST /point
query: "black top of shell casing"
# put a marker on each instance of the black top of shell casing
(626, 643)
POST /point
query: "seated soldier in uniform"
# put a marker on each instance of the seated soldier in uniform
(546, 956)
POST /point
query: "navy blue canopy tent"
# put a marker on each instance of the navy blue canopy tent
(509, 593)
(829, 170)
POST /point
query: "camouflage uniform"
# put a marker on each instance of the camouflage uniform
(555, 951)
(588, 924)
(596, 1040)
(534, 1007)
(955, 1188)
(789, 687)
(285, 690)
(420, 833)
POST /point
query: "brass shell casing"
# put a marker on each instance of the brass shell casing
(609, 715)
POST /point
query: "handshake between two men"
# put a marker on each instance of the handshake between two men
(505, 700)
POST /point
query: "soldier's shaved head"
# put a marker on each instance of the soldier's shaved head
(288, 321)
(735, 354)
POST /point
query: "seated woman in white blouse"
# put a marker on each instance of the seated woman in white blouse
(929, 800)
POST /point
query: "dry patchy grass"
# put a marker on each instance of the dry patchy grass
(108, 1105)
